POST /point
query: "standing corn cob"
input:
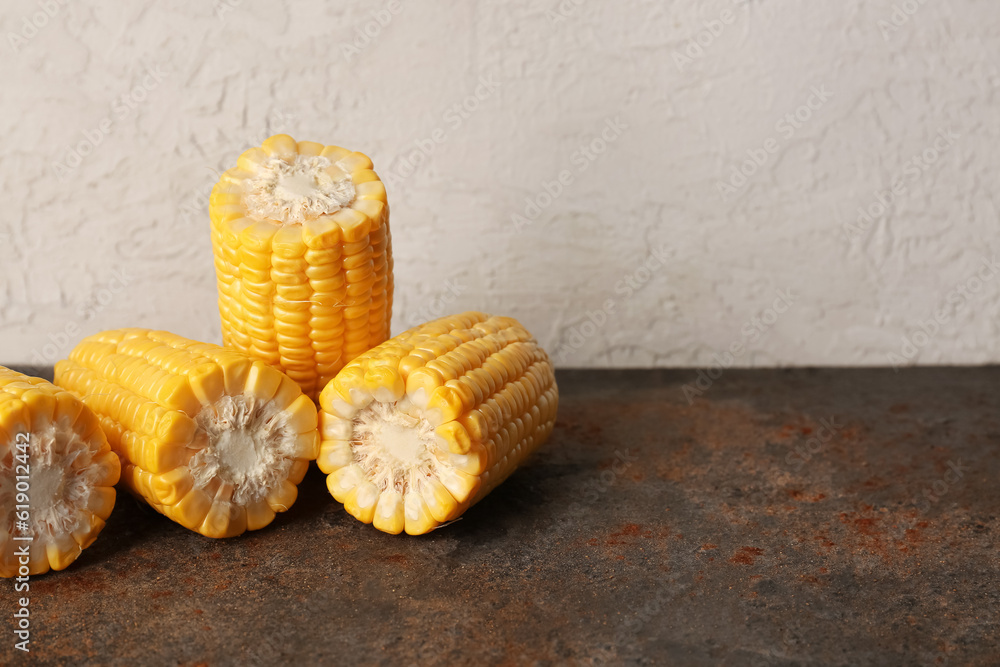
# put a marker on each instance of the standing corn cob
(426, 424)
(303, 257)
(209, 437)
(57, 475)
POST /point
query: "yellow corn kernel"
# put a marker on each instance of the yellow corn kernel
(57, 476)
(302, 253)
(208, 436)
(416, 430)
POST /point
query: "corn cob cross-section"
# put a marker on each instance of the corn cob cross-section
(57, 476)
(303, 257)
(421, 427)
(214, 440)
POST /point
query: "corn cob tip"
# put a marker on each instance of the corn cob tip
(297, 189)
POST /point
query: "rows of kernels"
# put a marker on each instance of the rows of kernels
(520, 444)
(227, 225)
(327, 295)
(378, 325)
(325, 327)
(483, 380)
(223, 269)
(292, 312)
(258, 291)
(147, 387)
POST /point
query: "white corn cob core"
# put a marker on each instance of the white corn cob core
(64, 472)
(296, 191)
(396, 450)
(245, 443)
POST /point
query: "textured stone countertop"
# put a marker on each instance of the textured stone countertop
(835, 517)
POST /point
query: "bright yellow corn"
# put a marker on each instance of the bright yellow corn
(207, 436)
(57, 476)
(418, 429)
(303, 257)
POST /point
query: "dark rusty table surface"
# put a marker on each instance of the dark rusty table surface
(783, 517)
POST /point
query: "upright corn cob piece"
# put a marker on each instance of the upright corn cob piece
(57, 476)
(303, 257)
(421, 427)
(207, 436)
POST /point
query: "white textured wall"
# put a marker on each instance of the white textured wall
(171, 92)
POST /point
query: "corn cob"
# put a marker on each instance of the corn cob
(210, 438)
(303, 257)
(57, 476)
(416, 430)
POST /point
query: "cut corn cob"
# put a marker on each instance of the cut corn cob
(303, 257)
(214, 440)
(57, 476)
(416, 430)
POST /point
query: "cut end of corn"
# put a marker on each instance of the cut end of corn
(303, 257)
(210, 438)
(421, 427)
(57, 476)
(293, 189)
(245, 442)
